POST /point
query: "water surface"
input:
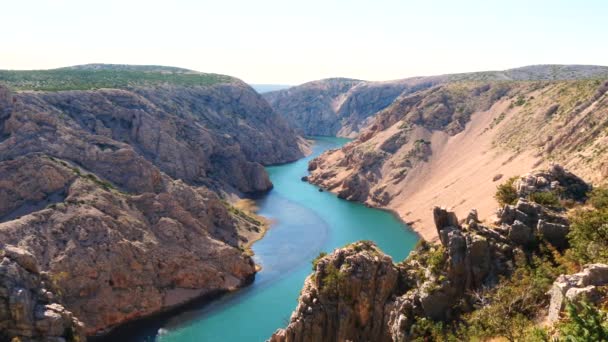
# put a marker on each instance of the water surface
(306, 222)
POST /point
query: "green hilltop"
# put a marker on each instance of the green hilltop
(96, 76)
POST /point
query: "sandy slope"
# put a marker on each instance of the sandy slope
(460, 168)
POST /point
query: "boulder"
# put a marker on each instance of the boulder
(576, 286)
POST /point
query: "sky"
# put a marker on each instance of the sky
(291, 42)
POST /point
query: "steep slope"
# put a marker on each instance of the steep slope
(343, 107)
(114, 191)
(457, 141)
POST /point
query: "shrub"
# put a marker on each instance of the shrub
(332, 281)
(585, 322)
(546, 198)
(511, 306)
(588, 236)
(506, 192)
(598, 198)
(315, 261)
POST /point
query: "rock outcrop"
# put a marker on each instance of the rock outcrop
(345, 299)
(28, 307)
(577, 286)
(554, 179)
(358, 294)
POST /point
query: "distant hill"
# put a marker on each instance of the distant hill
(265, 88)
(96, 76)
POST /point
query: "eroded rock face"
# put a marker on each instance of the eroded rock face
(217, 136)
(339, 107)
(345, 299)
(28, 308)
(117, 257)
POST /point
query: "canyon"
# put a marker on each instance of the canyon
(126, 191)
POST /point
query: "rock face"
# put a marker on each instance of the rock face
(577, 286)
(114, 192)
(526, 220)
(345, 299)
(28, 308)
(216, 136)
(445, 138)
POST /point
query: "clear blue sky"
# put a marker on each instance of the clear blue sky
(282, 41)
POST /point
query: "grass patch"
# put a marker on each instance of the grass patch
(75, 79)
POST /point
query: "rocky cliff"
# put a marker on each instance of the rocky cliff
(358, 294)
(456, 141)
(117, 192)
(343, 107)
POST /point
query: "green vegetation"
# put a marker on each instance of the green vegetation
(241, 214)
(509, 309)
(506, 192)
(497, 120)
(86, 79)
(520, 101)
(546, 198)
(585, 322)
(598, 198)
(315, 261)
(332, 280)
(588, 235)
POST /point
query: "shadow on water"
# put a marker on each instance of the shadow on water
(305, 222)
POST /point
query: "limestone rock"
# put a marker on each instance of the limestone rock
(576, 286)
(27, 310)
(556, 178)
(345, 299)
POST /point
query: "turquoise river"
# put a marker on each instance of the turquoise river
(305, 222)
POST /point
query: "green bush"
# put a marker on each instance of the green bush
(585, 322)
(546, 198)
(588, 236)
(506, 192)
(332, 281)
(510, 308)
(315, 261)
(598, 198)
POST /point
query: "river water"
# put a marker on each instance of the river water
(306, 222)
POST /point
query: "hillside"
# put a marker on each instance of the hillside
(455, 142)
(115, 76)
(122, 195)
(342, 107)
